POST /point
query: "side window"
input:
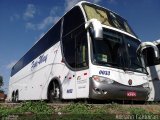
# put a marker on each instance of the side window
(75, 50)
(69, 50)
(74, 41)
(81, 50)
(72, 20)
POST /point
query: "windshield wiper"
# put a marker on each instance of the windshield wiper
(140, 67)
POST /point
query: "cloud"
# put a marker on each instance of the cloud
(30, 26)
(96, 1)
(112, 1)
(44, 24)
(70, 3)
(29, 12)
(54, 10)
(51, 19)
(47, 21)
(11, 64)
(14, 17)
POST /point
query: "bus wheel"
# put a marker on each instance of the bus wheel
(54, 93)
(13, 96)
(16, 97)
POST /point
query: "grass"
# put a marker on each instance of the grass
(27, 108)
(138, 111)
(41, 111)
(84, 111)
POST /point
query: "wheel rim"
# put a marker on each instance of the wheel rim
(16, 97)
(55, 93)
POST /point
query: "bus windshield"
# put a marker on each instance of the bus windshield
(135, 62)
(117, 50)
(107, 17)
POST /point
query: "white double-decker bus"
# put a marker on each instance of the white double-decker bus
(90, 53)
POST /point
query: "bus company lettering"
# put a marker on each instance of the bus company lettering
(104, 72)
(42, 58)
(69, 90)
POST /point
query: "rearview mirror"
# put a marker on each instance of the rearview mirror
(145, 45)
(97, 29)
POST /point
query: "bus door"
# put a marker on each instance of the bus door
(82, 71)
(153, 67)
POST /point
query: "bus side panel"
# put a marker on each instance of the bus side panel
(68, 85)
(82, 83)
(41, 77)
(30, 81)
(65, 76)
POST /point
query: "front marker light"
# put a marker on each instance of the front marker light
(102, 79)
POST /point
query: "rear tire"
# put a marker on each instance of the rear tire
(13, 97)
(16, 97)
(54, 93)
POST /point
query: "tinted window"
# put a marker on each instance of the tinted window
(72, 20)
(75, 48)
(109, 50)
(81, 49)
(47, 41)
(69, 50)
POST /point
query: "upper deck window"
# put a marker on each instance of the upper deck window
(107, 17)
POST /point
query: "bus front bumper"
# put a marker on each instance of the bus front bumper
(116, 91)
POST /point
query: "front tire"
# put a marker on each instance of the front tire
(13, 97)
(54, 93)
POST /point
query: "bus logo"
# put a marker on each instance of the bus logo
(130, 82)
(103, 72)
(35, 63)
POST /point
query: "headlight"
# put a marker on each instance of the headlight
(102, 79)
(146, 85)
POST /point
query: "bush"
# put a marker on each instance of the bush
(26, 108)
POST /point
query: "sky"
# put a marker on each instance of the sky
(23, 22)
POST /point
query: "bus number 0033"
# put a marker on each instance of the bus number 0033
(103, 72)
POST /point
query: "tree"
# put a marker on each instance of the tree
(1, 81)
(1, 84)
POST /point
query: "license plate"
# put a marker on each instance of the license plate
(131, 94)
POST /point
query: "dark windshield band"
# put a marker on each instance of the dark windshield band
(117, 50)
